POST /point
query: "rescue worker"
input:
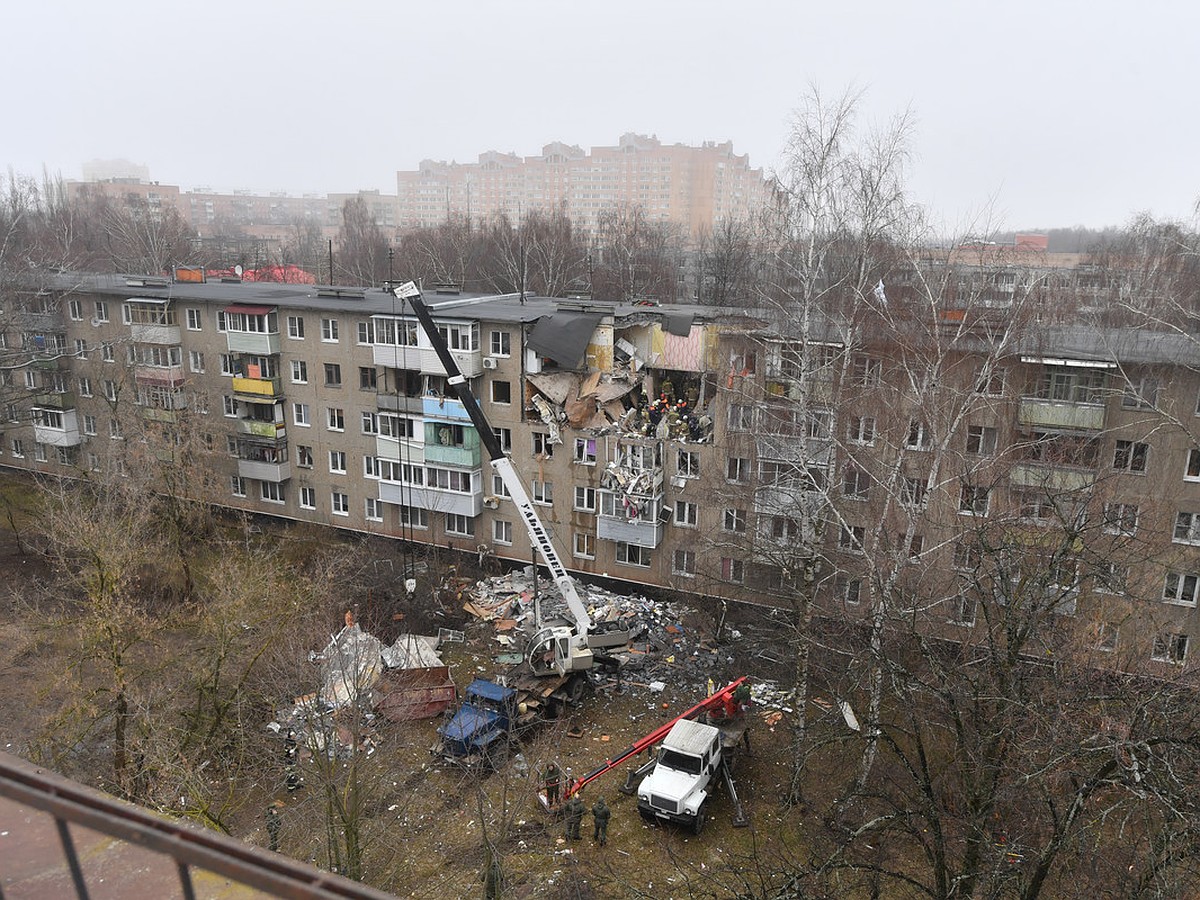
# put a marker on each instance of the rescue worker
(552, 781)
(601, 814)
(273, 826)
(574, 818)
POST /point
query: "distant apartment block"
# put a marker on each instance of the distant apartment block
(692, 187)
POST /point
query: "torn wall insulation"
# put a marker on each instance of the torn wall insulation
(563, 337)
(684, 352)
(678, 323)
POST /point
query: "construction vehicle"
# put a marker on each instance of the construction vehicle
(559, 654)
(675, 783)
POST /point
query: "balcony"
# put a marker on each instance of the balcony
(444, 408)
(56, 428)
(49, 362)
(643, 533)
(170, 376)
(1059, 479)
(425, 360)
(1058, 414)
(256, 342)
(399, 403)
(54, 400)
(258, 389)
(264, 471)
(158, 414)
(274, 431)
(154, 334)
(434, 499)
(400, 449)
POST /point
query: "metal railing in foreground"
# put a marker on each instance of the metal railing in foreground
(70, 803)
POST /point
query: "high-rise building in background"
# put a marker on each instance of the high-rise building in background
(692, 187)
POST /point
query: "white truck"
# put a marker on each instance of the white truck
(679, 787)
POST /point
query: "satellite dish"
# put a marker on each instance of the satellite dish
(237, 270)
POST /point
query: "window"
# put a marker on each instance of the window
(1170, 648)
(308, 498)
(504, 437)
(339, 503)
(193, 319)
(502, 531)
(1193, 463)
(499, 488)
(107, 353)
(862, 430)
(741, 418)
(500, 343)
(734, 520)
(851, 538)
(80, 348)
(413, 516)
(237, 485)
(1140, 393)
(222, 325)
(501, 392)
(584, 545)
(270, 491)
(967, 557)
(733, 570)
(541, 445)
(683, 562)
(865, 371)
(333, 375)
(299, 371)
(912, 491)
(11, 413)
(93, 461)
(585, 451)
(85, 387)
(963, 610)
(230, 406)
(1110, 577)
(981, 440)
(1072, 385)
(304, 456)
(39, 451)
(368, 378)
(337, 462)
(973, 500)
(738, 469)
(366, 332)
(75, 310)
(101, 310)
(231, 445)
(855, 483)
(196, 361)
(850, 590)
(1181, 589)
(126, 315)
(31, 380)
(335, 418)
(585, 499)
(227, 366)
(460, 525)
(543, 492)
(1122, 518)
(110, 390)
(991, 383)
(373, 510)
(1106, 636)
(300, 415)
(687, 463)
(329, 331)
(371, 467)
(1187, 528)
(370, 422)
(1130, 456)
(89, 424)
(687, 514)
(18, 448)
(783, 528)
(633, 555)
(295, 327)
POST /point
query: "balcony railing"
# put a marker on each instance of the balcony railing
(52, 400)
(642, 532)
(399, 403)
(264, 471)
(269, 388)
(154, 334)
(273, 430)
(431, 498)
(1060, 414)
(255, 342)
(1052, 478)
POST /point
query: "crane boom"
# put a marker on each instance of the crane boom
(502, 466)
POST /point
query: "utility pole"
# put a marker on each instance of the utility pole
(331, 262)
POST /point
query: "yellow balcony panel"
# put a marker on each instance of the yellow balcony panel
(257, 387)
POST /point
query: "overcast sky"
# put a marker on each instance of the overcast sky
(1047, 113)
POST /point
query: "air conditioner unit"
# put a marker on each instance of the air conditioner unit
(489, 362)
(491, 502)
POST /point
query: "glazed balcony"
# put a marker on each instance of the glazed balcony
(271, 430)
(436, 499)
(1057, 414)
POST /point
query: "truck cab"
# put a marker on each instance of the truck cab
(678, 787)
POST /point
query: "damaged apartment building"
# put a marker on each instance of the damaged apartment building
(675, 446)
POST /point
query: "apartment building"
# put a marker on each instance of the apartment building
(692, 187)
(673, 446)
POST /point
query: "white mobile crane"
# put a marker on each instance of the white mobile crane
(555, 648)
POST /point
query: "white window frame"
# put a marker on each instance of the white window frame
(337, 462)
(335, 418)
(308, 498)
(194, 320)
(585, 498)
(502, 531)
(300, 415)
(339, 503)
(583, 545)
(330, 331)
(687, 514)
(372, 509)
(299, 371)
